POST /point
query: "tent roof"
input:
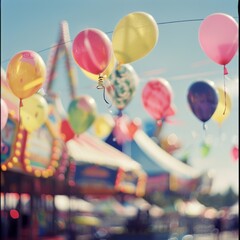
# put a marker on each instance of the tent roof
(162, 159)
(89, 149)
(151, 167)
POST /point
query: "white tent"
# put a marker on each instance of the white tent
(164, 159)
(89, 149)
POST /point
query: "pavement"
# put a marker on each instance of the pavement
(209, 236)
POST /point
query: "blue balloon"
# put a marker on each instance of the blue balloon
(203, 99)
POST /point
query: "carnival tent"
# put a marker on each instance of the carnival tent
(98, 166)
(164, 171)
(89, 149)
(164, 160)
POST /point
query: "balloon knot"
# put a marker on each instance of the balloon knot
(160, 122)
(100, 82)
(225, 71)
(120, 113)
(21, 103)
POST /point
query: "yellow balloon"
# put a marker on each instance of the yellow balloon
(223, 108)
(34, 112)
(106, 72)
(26, 73)
(103, 125)
(134, 36)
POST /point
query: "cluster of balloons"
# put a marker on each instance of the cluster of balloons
(218, 38)
(26, 74)
(134, 36)
(208, 102)
(157, 98)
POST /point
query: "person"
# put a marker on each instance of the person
(218, 226)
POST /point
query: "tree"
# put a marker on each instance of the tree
(219, 200)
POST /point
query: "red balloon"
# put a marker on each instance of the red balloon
(235, 153)
(92, 50)
(133, 126)
(66, 130)
(157, 97)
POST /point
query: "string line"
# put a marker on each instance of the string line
(109, 32)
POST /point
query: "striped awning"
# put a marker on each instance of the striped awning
(89, 149)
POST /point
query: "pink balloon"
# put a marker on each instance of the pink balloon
(4, 113)
(92, 50)
(157, 97)
(218, 37)
(235, 153)
(120, 130)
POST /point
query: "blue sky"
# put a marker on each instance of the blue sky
(177, 57)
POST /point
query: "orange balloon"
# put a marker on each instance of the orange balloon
(26, 73)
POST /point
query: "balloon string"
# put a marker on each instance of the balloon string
(21, 103)
(101, 86)
(19, 114)
(160, 122)
(100, 82)
(225, 96)
(205, 130)
(225, 71)
(104, 96)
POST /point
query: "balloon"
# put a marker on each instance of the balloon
(157, 97)
(103, 125)
(205, 149)
(134, 36)
(223, 107)
(133, 126)
(92, 50)
(235, 153)
(82, 113)
(4, 113)
(218, 37)
(34, 112)
(123, 84)
(120, 131)
(66, 130)
(203, 99)
(26, 73)
(105, 73)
